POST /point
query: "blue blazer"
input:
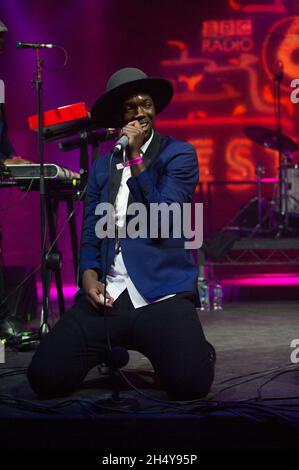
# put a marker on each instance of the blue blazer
(157, 266)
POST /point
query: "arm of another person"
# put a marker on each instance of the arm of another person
(7, 152)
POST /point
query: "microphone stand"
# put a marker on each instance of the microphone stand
(118, 356)
(283, 184)
(44, 327)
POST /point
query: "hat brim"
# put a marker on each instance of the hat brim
(107, 110)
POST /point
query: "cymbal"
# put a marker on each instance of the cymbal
(269, 138)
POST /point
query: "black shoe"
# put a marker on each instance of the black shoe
(212, 353)
(11, 327)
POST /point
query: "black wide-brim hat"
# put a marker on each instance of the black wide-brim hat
(107, 110)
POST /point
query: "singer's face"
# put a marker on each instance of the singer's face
(141, 108)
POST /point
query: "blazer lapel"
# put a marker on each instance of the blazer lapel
(152, 150)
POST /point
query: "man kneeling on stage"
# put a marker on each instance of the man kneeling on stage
(151, 282)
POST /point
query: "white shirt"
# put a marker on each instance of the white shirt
(118, 279)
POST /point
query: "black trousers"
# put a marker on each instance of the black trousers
(168, 333)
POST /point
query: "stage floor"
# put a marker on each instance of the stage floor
(254, 402)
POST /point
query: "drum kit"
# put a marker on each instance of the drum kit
(282, 213)
(286, 204)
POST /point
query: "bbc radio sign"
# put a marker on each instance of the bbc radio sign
(2, 94)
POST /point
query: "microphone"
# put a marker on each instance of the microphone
(30, 45)
(121, 144)
(92, 137)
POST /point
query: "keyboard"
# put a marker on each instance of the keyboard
(52, 171)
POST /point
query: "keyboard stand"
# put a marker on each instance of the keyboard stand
(53, 201)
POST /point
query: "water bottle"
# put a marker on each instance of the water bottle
(218, 295)
(204, 294)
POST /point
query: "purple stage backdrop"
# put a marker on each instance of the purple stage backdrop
(100, 37)
(220, 57)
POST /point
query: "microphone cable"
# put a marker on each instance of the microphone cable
(118, 356)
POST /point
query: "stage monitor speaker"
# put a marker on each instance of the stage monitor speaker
(23, 302)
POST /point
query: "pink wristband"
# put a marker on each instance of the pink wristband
(135, 161)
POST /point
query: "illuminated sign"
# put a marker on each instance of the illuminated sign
(238, 155)
(215, 29)
(227, 36)
(281, 45)
(205, 152)
(228, 84)
(276, 6)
